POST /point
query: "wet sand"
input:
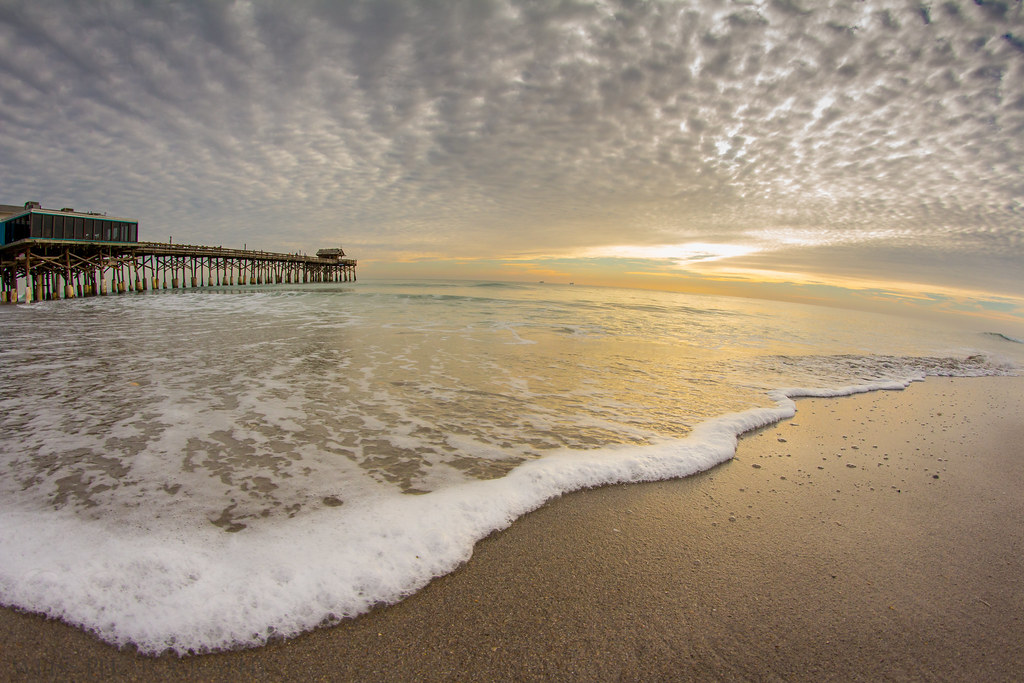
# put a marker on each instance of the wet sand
(872, 537)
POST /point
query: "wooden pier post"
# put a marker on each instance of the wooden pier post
(28, 278)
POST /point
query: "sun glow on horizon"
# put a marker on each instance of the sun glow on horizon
(704, 268)
(683, 254)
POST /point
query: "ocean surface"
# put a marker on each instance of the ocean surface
(204, 469)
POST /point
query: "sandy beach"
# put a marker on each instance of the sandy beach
(873, 537)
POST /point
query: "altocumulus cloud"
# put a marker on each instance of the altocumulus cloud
(880, 129)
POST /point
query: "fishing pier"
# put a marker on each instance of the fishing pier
(48, 254)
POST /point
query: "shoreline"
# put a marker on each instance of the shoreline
(876, 535)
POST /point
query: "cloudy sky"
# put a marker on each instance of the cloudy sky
(744, 146)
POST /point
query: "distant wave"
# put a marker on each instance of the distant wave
(381, 284)
(439, 284)
(1000, 335)
(503, 285)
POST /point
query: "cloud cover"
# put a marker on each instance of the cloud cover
(887, 132)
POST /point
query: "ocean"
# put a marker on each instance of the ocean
(196, 470)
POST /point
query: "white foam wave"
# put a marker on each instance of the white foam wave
(198, 589)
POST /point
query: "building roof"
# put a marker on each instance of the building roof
(9, 210)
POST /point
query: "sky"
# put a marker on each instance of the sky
(866, 152)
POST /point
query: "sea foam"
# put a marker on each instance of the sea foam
(198, 590)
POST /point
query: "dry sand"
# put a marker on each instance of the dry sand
(879, 536)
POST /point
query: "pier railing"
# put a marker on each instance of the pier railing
(54, 269)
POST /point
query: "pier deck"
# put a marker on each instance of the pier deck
(61, 268)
